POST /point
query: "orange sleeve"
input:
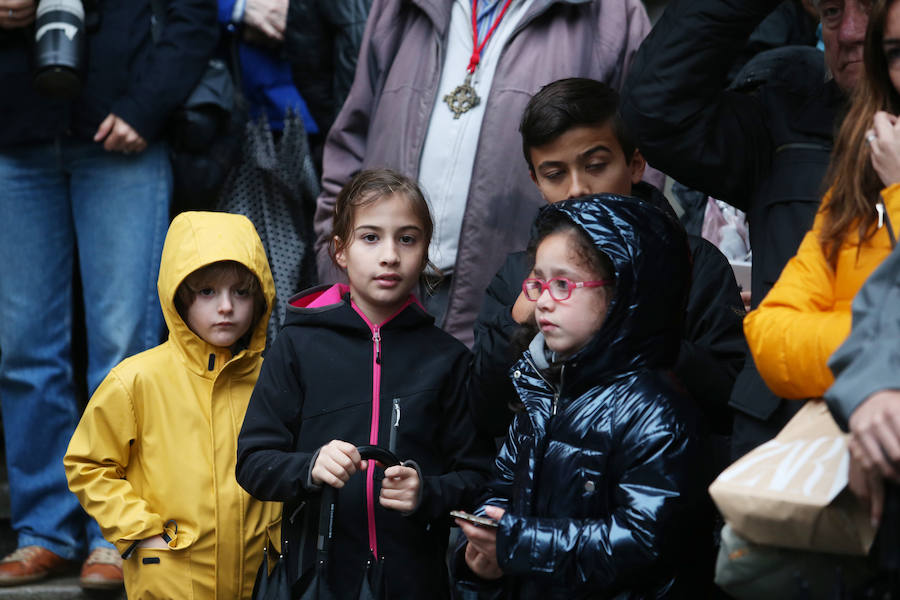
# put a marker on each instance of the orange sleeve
(795, 329)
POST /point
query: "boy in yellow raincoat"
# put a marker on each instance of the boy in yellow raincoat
(153, 457)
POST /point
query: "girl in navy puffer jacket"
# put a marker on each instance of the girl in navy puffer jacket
(598, 490)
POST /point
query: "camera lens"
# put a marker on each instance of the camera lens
(59, 47)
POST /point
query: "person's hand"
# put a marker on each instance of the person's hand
(336, 462)
(119, 136)
(481, 551)
(745, 298)
(884, 147)
(875, 434)
(16, 13)
(523, 309)
(153, 542)
(869, 488)
(400, 488)
(269, 17)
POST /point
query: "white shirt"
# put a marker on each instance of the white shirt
(448, 154)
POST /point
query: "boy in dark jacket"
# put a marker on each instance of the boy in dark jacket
(597, 492)
(575, 144)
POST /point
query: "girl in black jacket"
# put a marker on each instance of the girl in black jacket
(598, 487)
(350, 362)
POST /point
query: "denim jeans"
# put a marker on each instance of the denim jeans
(61, 202)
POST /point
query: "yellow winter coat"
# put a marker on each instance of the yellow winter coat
(157, 443)
(806, 315)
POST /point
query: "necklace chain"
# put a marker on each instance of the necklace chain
(464, 98)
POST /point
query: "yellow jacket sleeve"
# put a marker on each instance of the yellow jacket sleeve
(96, 462)
(806, 315)
(795, 329)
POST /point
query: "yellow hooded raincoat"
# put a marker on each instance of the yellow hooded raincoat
(156, 446)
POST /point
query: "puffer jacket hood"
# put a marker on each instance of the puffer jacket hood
(644, 321)
(197, 239)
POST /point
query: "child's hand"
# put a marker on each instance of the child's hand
(523, 309)
(400, 488)
(481, 551)
(481, 565)
(336, 462)
(153, 542)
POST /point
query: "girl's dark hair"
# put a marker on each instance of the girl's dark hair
(568, 103)
(854, 184)
(370, 186)
(210, 275)
(596, 260)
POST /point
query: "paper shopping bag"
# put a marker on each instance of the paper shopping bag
(792, 491)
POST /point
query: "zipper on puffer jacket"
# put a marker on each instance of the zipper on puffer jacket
(556, 389)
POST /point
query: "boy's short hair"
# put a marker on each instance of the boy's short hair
(568, 103)
(212, 273)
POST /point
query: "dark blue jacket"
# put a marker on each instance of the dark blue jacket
(125, 74)
(599, 474)
(266, 78)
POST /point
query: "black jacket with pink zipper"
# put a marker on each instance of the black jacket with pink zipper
(333, 375)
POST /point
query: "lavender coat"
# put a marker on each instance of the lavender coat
(385, 118)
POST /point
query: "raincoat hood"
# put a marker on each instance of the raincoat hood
(651, 260)
(197, 239)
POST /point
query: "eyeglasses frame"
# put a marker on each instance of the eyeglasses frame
(545, 286)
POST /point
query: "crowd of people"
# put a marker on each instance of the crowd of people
(512, 318)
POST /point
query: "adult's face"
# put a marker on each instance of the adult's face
(891, 47)
(843, 32)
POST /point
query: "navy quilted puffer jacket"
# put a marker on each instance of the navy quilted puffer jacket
(600, 475)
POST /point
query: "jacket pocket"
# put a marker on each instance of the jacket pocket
(158, 574)
(590, 485)
(273, 534)
(419, 426)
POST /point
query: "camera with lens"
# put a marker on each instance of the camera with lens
(60, 45)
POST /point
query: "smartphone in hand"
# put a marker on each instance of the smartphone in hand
(474, 519)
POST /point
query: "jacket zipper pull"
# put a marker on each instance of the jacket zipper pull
(557, 389)
(212, 362)
(395, 425)
(376, 337)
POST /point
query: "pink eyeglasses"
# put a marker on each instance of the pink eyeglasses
(560, 288)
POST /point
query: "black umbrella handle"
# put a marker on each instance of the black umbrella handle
(385, 457)
(328, 503)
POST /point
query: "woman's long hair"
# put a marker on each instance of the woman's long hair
(854, 184)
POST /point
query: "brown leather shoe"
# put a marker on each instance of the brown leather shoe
(102, 570)
(30, 563)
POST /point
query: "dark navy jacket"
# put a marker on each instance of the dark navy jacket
(599, 474)
(125, 74)
(762, 146)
